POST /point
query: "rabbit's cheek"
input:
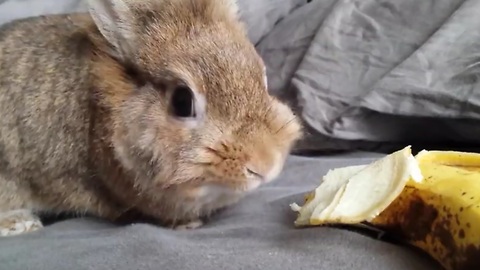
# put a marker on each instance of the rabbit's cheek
(252, 184)
(276, 168)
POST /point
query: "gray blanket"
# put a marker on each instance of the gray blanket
(380, 71)
(257, 233)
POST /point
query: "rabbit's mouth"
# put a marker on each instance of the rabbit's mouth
(219, 194)
(219, 190)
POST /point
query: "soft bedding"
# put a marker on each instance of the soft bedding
(380, 70)
(257, 233)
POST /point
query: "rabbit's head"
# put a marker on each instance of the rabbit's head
(193, 121)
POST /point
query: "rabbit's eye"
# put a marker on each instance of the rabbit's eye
(183, 102)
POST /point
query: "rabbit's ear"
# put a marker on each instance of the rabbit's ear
(115, 21)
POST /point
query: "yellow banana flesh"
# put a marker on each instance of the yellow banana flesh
(440, 214)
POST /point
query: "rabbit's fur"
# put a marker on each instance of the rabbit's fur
(91, 124)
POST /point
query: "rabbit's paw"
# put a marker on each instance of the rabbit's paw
(17, 222)
(189, 226)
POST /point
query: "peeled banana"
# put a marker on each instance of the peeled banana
(431, 201)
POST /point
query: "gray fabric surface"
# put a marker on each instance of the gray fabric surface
(380, 71)
(257, 233)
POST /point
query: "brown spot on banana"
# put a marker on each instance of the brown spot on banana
(417, 218)
(472, 254)
(408, 217)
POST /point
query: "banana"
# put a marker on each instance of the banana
(432, 202)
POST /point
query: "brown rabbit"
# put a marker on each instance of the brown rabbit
(158, 108)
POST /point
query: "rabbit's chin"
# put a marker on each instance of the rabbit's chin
(211, 193)
(210, 197)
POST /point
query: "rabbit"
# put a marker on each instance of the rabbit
(134, 109)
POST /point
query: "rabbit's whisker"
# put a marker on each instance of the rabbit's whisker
(215, 151)
(285, 125)
(267, 112)
(202, 163)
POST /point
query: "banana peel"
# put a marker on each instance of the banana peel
(430, 201)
